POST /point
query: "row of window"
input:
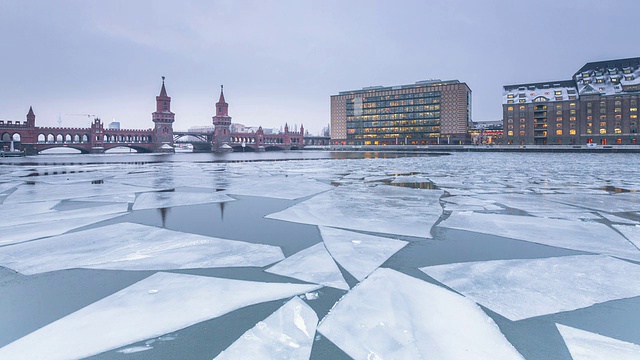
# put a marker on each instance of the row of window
(390, 110)
(420, 115)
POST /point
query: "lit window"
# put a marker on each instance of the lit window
(618, 117)
(522, 100)
(633, 116)
(618, 131)
(558, 125)
(572, 118)
(618, 102)
(557, 92)
(522, 107)
(509, 133)
(510, 96)
(589, 117)
(572, 97)
(559, 112)
(634, 109)
(603, 123)
(522, 133)
(628, 78)
(572, 105)
(603, 131)
(559, 118)
(599, 81)
(558, 106)
(572, 111)
(510, 121)
(509, 101)
(572, 132)
(523, 120)
(523, 126)
(558, 132)
(588, 131)
(617, 110)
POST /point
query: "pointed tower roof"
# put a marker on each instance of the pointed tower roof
(163, 91)
(222, 101)
(30, 113)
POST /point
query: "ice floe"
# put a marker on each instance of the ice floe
(314, 265)
(630, 232)
(31, 231)
(287, 334)
(608, 203)
(618, 219)
(585, 345)
(279, 187)
(117, 198)
(41, 215)
(134, 314)
(382, 208)
(359, 254)
(391, 315)
(128, 246)
(45, 192)
(155, 200)
(577, 235)
(520, 289)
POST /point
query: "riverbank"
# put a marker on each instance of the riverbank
(485, 148)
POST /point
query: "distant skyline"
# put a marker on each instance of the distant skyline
(280, 61)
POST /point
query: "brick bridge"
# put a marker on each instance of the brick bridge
(27, 137)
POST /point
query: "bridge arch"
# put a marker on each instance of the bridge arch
(6, 137)
(59, 138)
(85, 138)
(67, 138)
(51, 138)
(16, 137)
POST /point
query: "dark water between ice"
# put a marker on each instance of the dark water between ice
(30, 302)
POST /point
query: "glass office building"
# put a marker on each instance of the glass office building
(425, 113)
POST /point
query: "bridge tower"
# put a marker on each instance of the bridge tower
(163, 120)
(31, 118)
(221, 123)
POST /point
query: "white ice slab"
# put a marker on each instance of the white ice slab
(117, 198)
(25, 232)
(577, 235)
(26, 217)
(279, 187)
(394, 316)
(585, 345)
(157, 305)
(156, 200)
(128, 246)
(4, 187)
(520, 289)
(630, 232)
(608, 203)
(382, 208)
(45, 192)
(410, 179)
(359, 254)
(314, 265)
(287, 334)
(618, 219)
(26, 210)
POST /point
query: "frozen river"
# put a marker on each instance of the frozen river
(319, 255)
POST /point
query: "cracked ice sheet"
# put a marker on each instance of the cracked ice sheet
(118, 198)
(630, 232)
(314, 265)
(618, 219)
(279, 187)
(577, 235)
(128, 246)
(382, 208)
(157, 305)
(26, 217)
(585, 345)
(156, 200)
(45, 192)
(624, 202)
(359, 254)
(540, 206)
(288, 333)
(25, 232)
(520, 289)
(391, 315)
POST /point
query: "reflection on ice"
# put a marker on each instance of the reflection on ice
(577, 235)
(128, 246)
(519, 289)
(314, 265)
(136, 313)
(584, 345)
(359, 254)
(382, 208)
(394, 316)
(287, 334)
(156, 200)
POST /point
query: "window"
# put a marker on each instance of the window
(558, 112)
(510, 96)
(510, 108)
(633, 109)
(618, 102)
(558, 125)
(523, 126)
(572, 118)
(522, 133)
(618, 117)
(589, 117)
(633, 116)
(588, 111)
(572, 112)
(559, 118)
(509, 133)
(509, 101)
(557, 92)
(558, 132)
(603, 131)
(633, 102)
(603, 111)
(522, 107)
(589, 124)
(603, 124)
(617, 110)
(618, 131)
(510, 127)
(523, 120)
(588, 104)
(558, 106)
(572, 105)
(522, 100)
(510, 121)
(589, 131)
(572, 132)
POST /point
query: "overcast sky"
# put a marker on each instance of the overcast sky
(280, 61)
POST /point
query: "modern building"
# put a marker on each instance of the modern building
(427, 112)
(598, 105)
(114, 125)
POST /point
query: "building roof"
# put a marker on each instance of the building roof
(542, 91)
(605, 64)
(419, 84)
